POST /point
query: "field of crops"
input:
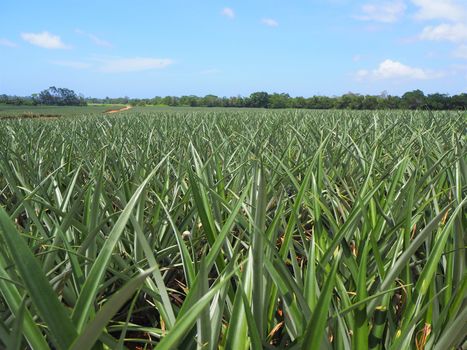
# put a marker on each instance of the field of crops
(234, 229)
(50, 112)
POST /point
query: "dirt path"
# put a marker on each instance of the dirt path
(118, 110)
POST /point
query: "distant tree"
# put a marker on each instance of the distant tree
(391, 102)
(259, 99)
(459, 102)
(298, 102)
(320, 102)
(279, 101)
(34, 99)
(167, 100)
(370, 102)
(59, 97)
(224, 102)
(438, 101)
(210, 101)
(410, 100)
(350, 101)
(157, 100)
(191, 101)
(413, 99)
(237, 101)
(45, 97)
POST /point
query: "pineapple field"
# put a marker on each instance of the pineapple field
(233, 229)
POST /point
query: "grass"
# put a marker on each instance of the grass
(208, 229)
(51, 112)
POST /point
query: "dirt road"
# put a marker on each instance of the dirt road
(118, 110)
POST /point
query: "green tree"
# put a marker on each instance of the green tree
(279, 101)
(459, 102)
(259, 99)
(413, 99)
(370, 102)
(210, 101)
(438, 101)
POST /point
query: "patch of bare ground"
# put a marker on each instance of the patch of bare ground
(118, 110)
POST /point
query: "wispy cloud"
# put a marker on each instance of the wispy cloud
(94, 38)
(136, 64)
(98, 41)
(385, 12)
(357, 58)
(461, 52)
(72, 64)
(389, 69)
(440, 9)
(8, 43)
(448, 32)
(459, 70)
(228, 12)
(45, 40)
(270, 22)
(117, 65)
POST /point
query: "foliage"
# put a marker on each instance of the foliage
(234, 230)
(59, 97)
(411, 100)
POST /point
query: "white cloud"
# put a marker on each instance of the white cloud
(94, 38)
(461, 52)
(136, 64)
(386, 12)
(389, 69)
(357, 58)
(439, 9)
(117, 65)
(228, 12)
(450, 32)
(98, 41)
(270, 22)
(459, 69)
(8, 43)
(72, 64)
(45, 40)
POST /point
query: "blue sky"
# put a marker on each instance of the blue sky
(144, 48)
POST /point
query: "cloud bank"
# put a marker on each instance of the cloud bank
(45, 40)
(385, 12)
(389, 69)
(118, 65)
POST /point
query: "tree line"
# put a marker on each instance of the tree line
(52, 96)
(410, 100)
